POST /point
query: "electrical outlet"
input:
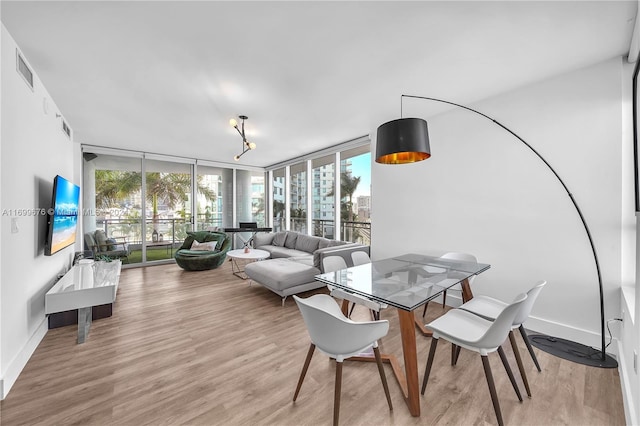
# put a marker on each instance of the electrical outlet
(635, 362)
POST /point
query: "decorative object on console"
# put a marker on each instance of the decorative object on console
(246, 145)
(407, 140)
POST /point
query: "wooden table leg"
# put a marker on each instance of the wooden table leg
(409, 351)
(345, 307)
(466, 291)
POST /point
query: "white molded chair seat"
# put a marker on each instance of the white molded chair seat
(489, 308)
(477, 334)
(335, 263)
(338, 337)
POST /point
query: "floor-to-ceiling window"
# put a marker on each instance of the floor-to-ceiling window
(209, 202)
(153, 200)
(355, 192)
(258, 198)
(327, 193)
(112, 199)
(168, 215)
(279, 200)
(323, 196)
(298, 197)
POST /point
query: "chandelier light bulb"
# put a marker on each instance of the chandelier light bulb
(237, 157)
(252, 145)
(233, 122)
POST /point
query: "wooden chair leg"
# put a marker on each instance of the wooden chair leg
(505, 362)
(444, 299)
(523, 333)
(516, 352)
(351, 310)
(424, 312)
(456, 355)
(336, 395)
(427, 370)
(303, 373)
(492, 388)
(383, 377)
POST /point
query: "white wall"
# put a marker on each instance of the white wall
(483, 192)
(33, 150)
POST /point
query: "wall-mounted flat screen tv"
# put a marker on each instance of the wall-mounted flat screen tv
(63, 216)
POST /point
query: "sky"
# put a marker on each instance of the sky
(361, 166)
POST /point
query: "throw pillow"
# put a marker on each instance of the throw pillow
(101, 240)
(280, 238)
(290, 241)
(111, 244)
(262, 239)
(208, 246)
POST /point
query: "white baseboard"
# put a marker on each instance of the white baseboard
(555, 329)
(631, 417)
(20, 361)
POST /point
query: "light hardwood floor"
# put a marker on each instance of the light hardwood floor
(205, 348)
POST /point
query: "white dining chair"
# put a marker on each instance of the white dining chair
(360, 258)
(340, 338)
(465, 257)
(336, 263)
(477, 334)
(489, 308)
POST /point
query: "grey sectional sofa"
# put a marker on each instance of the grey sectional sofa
(295, 260)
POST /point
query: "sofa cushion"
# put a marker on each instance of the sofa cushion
(280, 274)
(307, 243)
(262, 239)
(279, 238)
(277, 252)
(290, 241)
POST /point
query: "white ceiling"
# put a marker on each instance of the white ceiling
(166, 77)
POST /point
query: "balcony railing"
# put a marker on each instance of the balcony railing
(352, 231)
(173, 232)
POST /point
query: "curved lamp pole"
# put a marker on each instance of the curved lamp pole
(406, 141)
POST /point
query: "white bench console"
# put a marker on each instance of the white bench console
(85, 285)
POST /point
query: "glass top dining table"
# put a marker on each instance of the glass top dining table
(405, 282)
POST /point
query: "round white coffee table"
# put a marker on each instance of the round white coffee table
(252, 255)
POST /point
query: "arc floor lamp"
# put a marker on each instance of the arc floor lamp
(406, 140)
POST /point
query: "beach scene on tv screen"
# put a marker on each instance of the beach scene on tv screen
(65, 218)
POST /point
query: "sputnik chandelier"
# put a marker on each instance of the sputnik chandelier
(246, 145)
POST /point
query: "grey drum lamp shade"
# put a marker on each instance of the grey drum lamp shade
(402, 141)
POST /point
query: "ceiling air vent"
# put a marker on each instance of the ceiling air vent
(24, 70)
(66, 129)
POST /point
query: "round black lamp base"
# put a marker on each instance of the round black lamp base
(572, 351)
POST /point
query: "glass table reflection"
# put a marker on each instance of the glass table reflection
(405, 282)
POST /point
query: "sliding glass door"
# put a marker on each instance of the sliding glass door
(168, 215)
(112, 200)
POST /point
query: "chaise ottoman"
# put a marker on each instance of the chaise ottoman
(285, 276)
